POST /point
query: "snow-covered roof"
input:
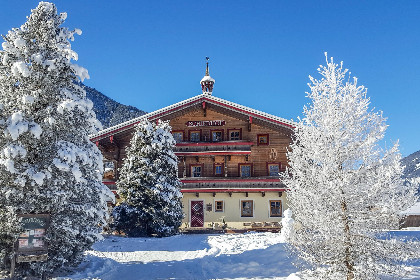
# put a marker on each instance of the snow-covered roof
(190, 102)
(207, 79)
(413, 210)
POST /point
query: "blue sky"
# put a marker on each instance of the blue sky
(150, 54)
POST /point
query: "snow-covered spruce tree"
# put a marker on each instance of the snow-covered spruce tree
(149, 185)
(345, 191)
(47, 162)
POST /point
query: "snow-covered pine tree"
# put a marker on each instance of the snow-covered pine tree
(345, 191)
(149, 185)
(47, 162)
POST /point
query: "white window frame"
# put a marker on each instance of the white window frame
(269, 208)
(213, 134)
(273, 164)
(230, 134)
(192, 172)
(178, 132)
(191, 138)
(243, 165)
(240, 208)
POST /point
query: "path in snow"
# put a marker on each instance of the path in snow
(200, 256)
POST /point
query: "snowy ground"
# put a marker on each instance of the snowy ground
(200, 256)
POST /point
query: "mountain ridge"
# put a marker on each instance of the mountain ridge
(108, 111)
(412, 165)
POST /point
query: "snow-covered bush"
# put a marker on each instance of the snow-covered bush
(149, 185)
(47, 162)
(345, 191)
(287, 226)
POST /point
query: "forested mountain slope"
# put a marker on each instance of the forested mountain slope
(412, 165)
(109, 112)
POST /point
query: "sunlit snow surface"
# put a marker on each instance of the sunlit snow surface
(198, 256)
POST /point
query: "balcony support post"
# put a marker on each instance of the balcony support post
(117, 158)
(226, 166)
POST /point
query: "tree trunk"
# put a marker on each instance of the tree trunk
(347, 261)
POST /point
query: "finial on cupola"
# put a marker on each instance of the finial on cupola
(207, 82)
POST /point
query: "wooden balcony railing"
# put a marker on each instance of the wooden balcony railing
(213, 148)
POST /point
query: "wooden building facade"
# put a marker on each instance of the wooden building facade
(230, 157)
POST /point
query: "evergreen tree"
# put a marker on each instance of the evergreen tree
(345, 191)
(149, 185)
(47, 162)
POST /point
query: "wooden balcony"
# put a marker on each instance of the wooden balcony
(232, 184)
(224, 184)
(213, 148)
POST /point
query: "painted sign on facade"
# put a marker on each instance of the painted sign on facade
(35, 227)
(205, 123)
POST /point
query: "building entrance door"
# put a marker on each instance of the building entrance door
(197, 213)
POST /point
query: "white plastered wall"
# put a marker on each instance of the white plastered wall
(232, 208)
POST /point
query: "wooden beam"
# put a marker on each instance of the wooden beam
(204, 108)
(197, 194)
(262, 194)
(230, 194)
(280, 194)
(214, 194)
(118, 159)
(246, 194)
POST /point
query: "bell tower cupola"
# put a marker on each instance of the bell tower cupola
(207, 82)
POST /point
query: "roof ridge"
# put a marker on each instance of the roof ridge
(204, 96)
(255, 111)
(138, 119)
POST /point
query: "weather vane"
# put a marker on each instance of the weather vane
(207, 67)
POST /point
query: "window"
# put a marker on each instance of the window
(218, 206)
(275, 208)
(234, 134)
(195, 136)
(217, 135)
(178, 136)
(247, 208)
(245, 170)
(262, 139)
(218, 169)
(196, 170)
(273, 169)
